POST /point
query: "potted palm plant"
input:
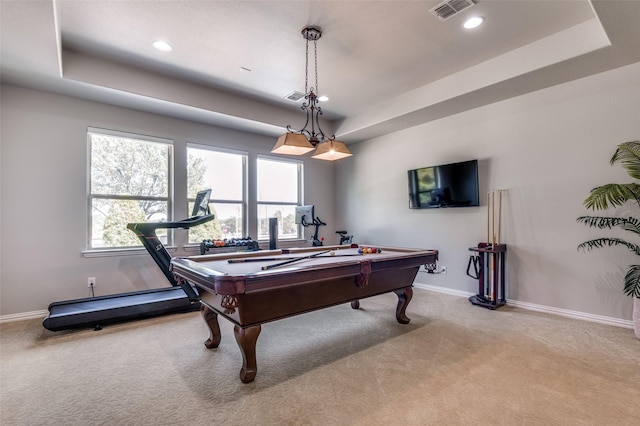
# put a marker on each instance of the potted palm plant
(615, 195)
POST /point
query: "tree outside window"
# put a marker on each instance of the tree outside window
(224, 173)
(129, 182)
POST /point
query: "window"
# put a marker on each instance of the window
(224, 172)
(279, 192)
(129, 181)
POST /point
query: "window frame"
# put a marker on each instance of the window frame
(244, 202)
(300, 194)
(169, 199)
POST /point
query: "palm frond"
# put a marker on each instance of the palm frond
(632, 281)
(628, 154)
(600, 222)
(612, 195)
(630, 224)
(608, 242)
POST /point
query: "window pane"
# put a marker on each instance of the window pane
(223, 172)
(227, 224)
(123, 166)
(277, 181)
(129, 182)
(287, 228)
(220, 171)
(110, 218)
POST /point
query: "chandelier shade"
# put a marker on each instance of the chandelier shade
(300, 142)
(331, 150)
(292, 144)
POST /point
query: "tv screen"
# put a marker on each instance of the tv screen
(447, 185)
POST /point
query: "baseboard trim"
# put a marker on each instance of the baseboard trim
(573, 314)
(443, 290)
(23, 316)
(524, 305)
(539, 308)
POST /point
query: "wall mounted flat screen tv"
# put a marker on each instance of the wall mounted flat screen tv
(446, 185)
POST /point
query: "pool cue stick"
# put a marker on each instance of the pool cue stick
(276, 265)
(344, 255)
(267, 259)
(496, 272)
(493, 218)
(499, 213)
(258, 259)
(493, 245)
(488, 216)
(494, 295)
(494, 276)
(485, 256)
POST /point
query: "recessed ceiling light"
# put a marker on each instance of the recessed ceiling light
(323, 98)
(473, 22)
(162, 45)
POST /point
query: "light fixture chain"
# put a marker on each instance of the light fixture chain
(315, 50)
(306, 71)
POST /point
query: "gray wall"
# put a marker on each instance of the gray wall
(44, 204)
(548, 149)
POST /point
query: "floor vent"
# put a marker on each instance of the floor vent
(447, 9)
(295, 96)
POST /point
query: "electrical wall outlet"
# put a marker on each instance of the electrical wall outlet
(433, 269)
(91, 282)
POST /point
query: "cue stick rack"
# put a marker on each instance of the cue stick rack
(489, 260)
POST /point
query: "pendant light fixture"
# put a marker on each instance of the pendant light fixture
(311, 136)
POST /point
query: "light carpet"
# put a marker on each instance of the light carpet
(454, 364)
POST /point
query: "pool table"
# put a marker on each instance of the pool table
(252, 288)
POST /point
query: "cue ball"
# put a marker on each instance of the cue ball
(332, 253)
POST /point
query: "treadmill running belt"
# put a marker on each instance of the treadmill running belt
(95, 312)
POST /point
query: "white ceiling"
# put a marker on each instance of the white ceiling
(385, 65)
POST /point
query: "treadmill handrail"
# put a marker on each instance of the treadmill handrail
(146, 227)
(146, 232)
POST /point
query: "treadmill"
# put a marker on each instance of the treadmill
(94, 312)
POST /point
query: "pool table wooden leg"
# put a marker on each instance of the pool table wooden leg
(210, 318)
(404, 297)
(247, 338)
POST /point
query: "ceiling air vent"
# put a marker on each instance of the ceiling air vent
(295, 96)
(447, 9)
